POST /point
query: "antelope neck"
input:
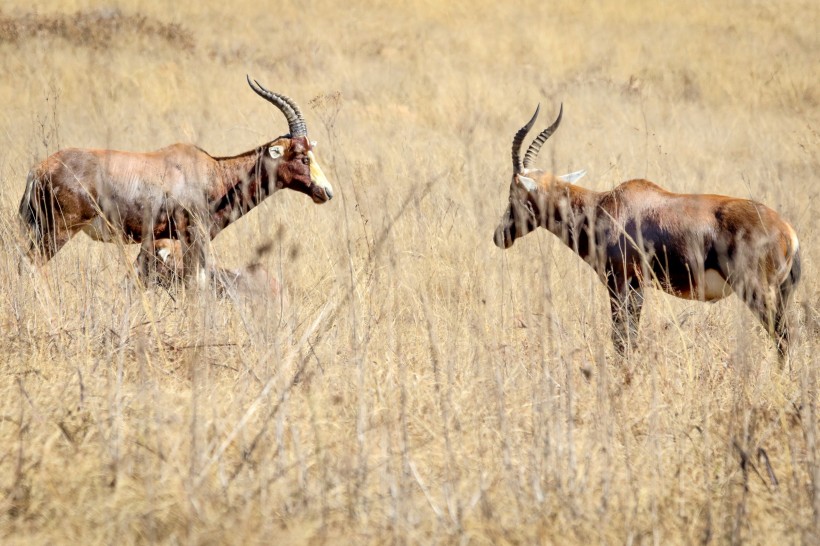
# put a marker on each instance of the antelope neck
(572, 225)
(246, 183)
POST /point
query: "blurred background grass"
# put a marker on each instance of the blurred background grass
(423, 386)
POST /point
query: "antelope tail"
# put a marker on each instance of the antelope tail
(794, 274)
(793, 259)
(26, 211)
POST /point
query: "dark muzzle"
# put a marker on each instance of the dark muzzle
(504, 235)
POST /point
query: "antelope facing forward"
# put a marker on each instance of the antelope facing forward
(179, 192)
(700, 247)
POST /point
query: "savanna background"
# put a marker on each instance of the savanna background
(422, 386)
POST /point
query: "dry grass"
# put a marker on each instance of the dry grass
(424, 387)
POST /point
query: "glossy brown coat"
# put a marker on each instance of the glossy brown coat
(179, 192)
(701, 247)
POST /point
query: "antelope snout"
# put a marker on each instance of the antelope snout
(322, 194)
(502, 237)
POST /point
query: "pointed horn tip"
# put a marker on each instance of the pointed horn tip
(256, 86)
(537, 111)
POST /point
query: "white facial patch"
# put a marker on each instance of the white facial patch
(164, 254)
(526, 182)
(573, 177)
(276, 151)
(318, 177)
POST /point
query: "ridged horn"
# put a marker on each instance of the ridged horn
(296, 122)
(535, 147)
(292, 104)
(518, 139)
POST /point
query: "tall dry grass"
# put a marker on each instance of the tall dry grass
(423, 386)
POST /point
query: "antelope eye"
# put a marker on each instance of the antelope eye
(306, 160)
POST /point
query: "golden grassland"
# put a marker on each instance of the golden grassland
(423, 386)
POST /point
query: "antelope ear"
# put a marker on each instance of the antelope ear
(573, 177)
(276, 151)
(525, 182)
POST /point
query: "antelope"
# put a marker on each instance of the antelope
(698, 247)
(179, 192)
(252, 280)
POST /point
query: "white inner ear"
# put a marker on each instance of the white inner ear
(573, 177)
(528, 183)
(276, 151)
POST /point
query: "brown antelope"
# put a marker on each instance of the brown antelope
(179, 192)
(252, 280)
(700, 247)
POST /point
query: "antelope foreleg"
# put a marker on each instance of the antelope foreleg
(193, 238)
(145, 260)
(625, 304)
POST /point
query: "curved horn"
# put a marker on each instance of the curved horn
(519, 138)
(292, 104)
(296, 123)
(532, 151)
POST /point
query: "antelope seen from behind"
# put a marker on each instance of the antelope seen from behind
(179, 192)
(700, 247)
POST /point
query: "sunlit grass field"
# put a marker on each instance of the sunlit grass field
(422, 386)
